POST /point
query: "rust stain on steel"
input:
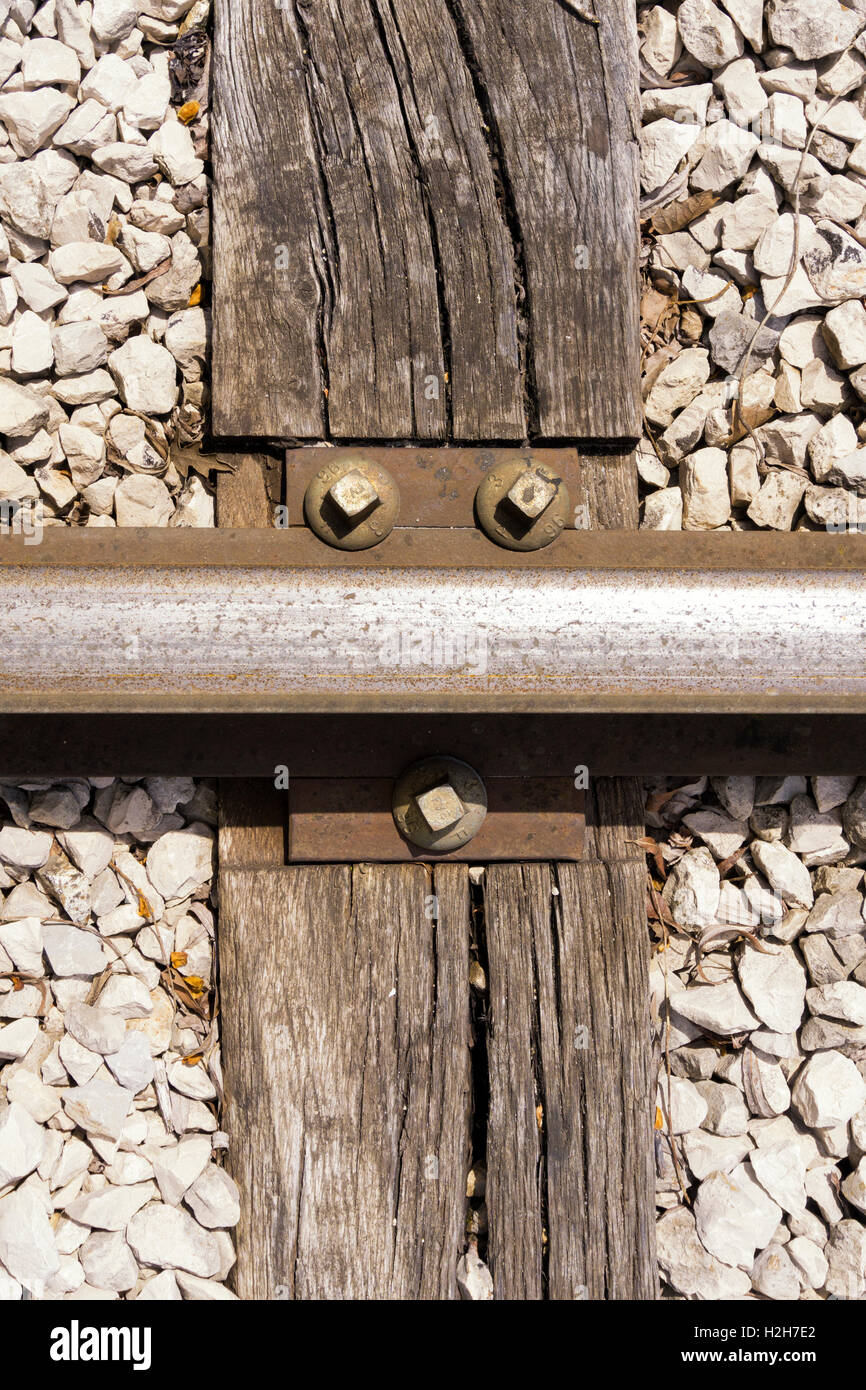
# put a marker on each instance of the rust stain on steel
(255, 621)
(335, 820)
(269, 549)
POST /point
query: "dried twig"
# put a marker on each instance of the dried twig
(581, 13)
(132, 285)
(142, 900)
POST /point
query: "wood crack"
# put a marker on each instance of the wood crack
(427, 206)
(509, 211)
(530, 885)
(451, 188)
(479, 1052)
(327, 251)
(300, 1196)
(380, 244)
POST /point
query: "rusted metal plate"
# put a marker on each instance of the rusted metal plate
(349, 820)
(437, 485)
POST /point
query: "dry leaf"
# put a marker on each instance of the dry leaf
(179, 990)
(646, 843)
(654, 305)
(188, 111)
(657, 908)
(661, 197)
(681, 841)
(660, 799)
(193, 458)
(679, 214)
(651, 846)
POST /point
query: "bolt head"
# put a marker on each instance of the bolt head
(439, 804)
(440, 807)
(531, 494)
(354, 496)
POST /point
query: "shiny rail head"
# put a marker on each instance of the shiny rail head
(312, 638)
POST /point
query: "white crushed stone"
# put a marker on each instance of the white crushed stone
(760, 108)
(734, 1216)
(28, 1251)
(104, 239)
(769, 1031)
(169, 1238)
(92, 1127)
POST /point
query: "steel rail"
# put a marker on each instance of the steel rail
(432, 621)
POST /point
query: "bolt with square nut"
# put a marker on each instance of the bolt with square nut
(354, 496)
(439, 804)
(353, 502)
(521, 504)
(531, 494)
(440, 807)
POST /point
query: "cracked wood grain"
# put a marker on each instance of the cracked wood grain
(560, 92)
(425, 220)
(570, 1182)
(247, 496)
(346, 1021)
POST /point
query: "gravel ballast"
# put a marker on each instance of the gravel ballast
(753, 180)
(104, 244)
(111, 1155)
(758, 988)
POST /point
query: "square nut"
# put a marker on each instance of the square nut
(353, 494)
(440, 806)
(531, 494)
